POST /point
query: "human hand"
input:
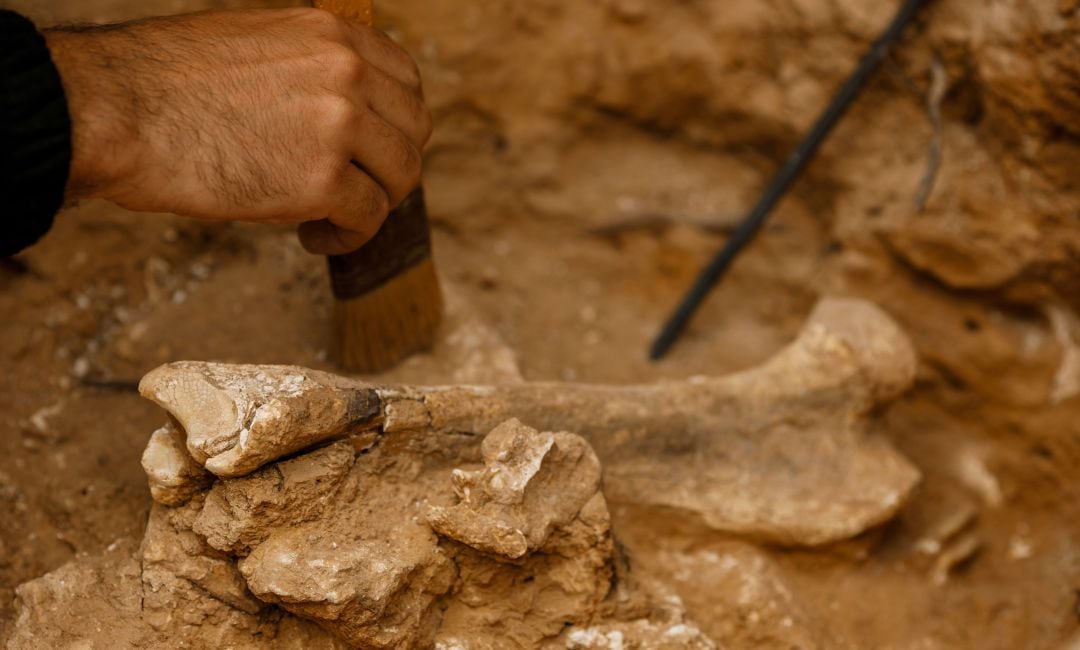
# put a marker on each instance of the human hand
(273, 116)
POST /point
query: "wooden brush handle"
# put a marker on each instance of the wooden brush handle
(402, 242)
(404, 239)
(361, 11)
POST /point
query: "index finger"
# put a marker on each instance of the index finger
(381, 51)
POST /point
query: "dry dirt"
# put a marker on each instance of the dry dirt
(588, 158)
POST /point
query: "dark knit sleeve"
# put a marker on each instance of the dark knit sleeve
(35, 135)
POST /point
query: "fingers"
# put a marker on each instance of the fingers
(378, 49)
(360, 205)
(375, 117)
(387, 155)
(324, 238)
(395, 103)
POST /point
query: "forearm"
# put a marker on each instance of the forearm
(35, 135)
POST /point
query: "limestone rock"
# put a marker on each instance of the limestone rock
(642, 633)
(241, 513)
(374, 593)
(100, 601)
(172, 553)
(65, 608)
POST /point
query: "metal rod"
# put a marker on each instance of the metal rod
(776, 189)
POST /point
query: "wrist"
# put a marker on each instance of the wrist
(103, 136)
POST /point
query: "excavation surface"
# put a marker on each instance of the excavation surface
(569, 212)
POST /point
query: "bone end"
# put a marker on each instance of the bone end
(205, 411)
(237, 418)
(172, 473)
(532, 483)
(882, 350)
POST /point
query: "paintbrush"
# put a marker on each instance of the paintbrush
(387, 301)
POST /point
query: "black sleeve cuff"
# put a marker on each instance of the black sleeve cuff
(35, 135)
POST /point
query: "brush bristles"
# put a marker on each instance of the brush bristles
(380, 329)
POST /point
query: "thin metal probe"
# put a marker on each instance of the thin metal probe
(783, 179)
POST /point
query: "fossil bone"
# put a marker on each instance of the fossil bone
(173, 474)
(780, 452)
(531, 484)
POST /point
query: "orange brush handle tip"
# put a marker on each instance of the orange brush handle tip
(361, 11)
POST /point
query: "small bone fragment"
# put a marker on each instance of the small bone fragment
(1066, 327)
(532, 483)
(545, 488)
(779, 452)
(238, 418)
(171, 471)
(951, 541)
(959, 551)
(958, 520)
(973, 472)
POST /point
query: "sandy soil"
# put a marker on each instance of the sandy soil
(587, 161)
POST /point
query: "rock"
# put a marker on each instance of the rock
(81, 603)
(642, 633)
(171, 554)
(239, 514)
(372, 593)
(740, 596)
(99, 601)
(950, 540)
(338, 537)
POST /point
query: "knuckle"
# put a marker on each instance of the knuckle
(322, 20)
(337, 114)
(323, 187)
(344, 64)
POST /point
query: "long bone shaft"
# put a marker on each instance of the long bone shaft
(779, 451)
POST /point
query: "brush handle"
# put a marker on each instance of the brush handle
(404, 239)
(361, 11)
